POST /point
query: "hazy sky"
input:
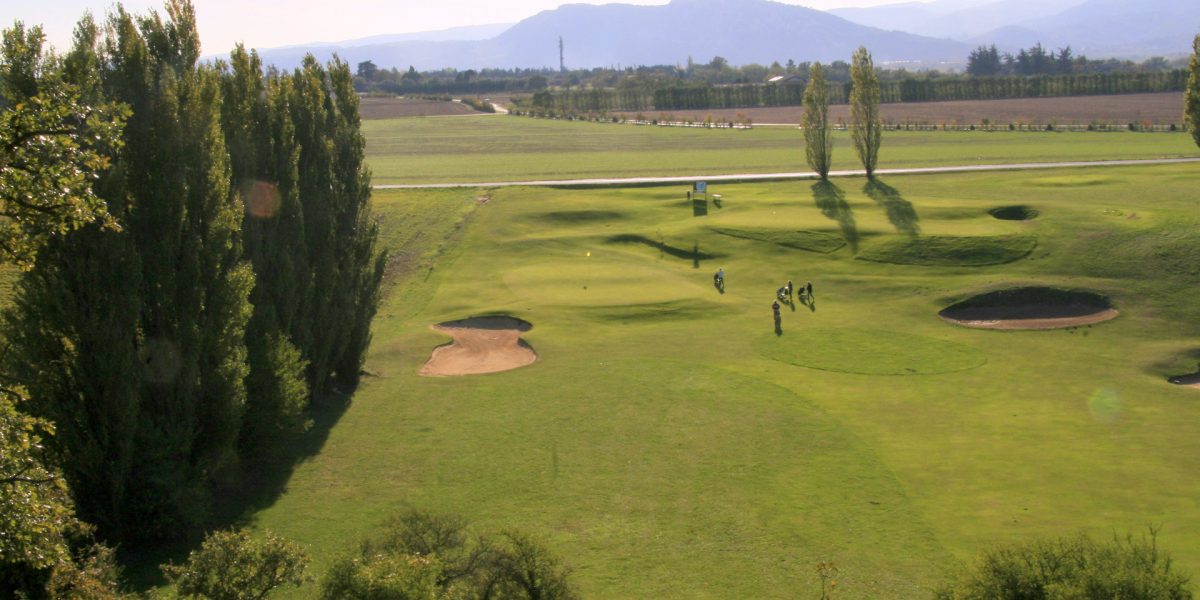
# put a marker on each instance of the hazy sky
(270, 23)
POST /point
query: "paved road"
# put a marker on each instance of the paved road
(784, 176)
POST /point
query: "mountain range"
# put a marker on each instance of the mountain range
(1097, 28)
(917, 34)
(741, 31)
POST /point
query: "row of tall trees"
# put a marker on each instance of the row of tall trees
(232, 288)
(866, 128)
(677, 96)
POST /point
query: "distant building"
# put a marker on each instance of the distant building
(785, 79)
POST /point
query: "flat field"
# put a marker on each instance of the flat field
(507, 148)
(669, 444)
(1158, 109)
(395, 108)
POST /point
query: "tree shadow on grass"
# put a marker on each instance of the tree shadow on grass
(256, 484)
(695, 254)
(830, 199)
(899, 211)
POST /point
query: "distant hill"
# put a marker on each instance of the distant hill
(741, 31)
(954, 19)
(1104, 28)
(1098, 28)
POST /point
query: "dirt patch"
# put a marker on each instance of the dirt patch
(1030, 308)
(1159, 108)
(481, 345)
(1014, 213)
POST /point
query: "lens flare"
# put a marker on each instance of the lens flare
(261, 199)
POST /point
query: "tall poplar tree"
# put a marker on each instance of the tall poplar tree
(296, 149)
(818, 141)
(866, 128)
(131, 341)
(264, 155)
(1191, 107)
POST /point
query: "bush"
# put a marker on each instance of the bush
(230, 565)
(427, 555)
(1078, 567)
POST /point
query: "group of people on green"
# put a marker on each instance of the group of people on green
(784, 294)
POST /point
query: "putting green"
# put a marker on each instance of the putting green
(594, 281)
(868, 351)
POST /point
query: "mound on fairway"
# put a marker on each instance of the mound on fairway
(568, 217)
(1019, 212)
(868, 351)
(481, 345)
(1030, 308)
(950, 251)
(812, 241)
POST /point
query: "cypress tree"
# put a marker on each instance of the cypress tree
(144, 327)
(263, 157)
(866, 128)
(334, 189)
(1191, 109)
(818, 142)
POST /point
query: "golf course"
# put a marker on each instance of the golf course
(666, 439)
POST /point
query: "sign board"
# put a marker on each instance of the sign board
(700, 187)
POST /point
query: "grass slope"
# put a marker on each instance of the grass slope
(522, 149)
(668, 444)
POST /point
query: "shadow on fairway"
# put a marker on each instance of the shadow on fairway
(257, 485)
(899, 211)
(695, 254)
(831, 201)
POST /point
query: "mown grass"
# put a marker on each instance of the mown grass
(668, 444)
(947, 250)
(521, 149)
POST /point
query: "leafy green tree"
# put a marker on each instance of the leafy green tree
(984, 61)
(1075, 567)
(1191, 110)
(131, 341)
(866, 128)
(53, 145)
(233, 565)
(426, 555)
(818, 139)
(366, 70)
(35, 507)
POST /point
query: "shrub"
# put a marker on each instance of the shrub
(230, 565)
(427, 555)
(1077, 567)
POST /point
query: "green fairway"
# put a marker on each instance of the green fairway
(499, 148)
(669, 443)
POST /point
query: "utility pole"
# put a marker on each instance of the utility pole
(562, 66)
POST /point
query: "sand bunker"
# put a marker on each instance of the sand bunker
(481, 345)
(1190, 380)
(1030, 308)
(1014, 213)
